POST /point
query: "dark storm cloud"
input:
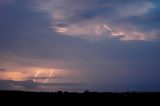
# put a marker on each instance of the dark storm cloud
(2, 69)
(26, 26)
(10, 84)
(29, 84)
(29, 33)
(43, 78)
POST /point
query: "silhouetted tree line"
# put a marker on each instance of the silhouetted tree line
(72, 97)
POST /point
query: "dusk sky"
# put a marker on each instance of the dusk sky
(77, 45)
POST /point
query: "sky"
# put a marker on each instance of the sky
(78, 45)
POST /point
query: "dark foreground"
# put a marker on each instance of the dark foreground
(72, 97)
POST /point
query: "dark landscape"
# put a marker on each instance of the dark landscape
(73, 97)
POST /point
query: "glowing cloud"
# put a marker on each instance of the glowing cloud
(69, 19)
(60, 29)
(94, 31)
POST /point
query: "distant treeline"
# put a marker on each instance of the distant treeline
(74, 97)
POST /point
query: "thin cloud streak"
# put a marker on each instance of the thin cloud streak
(10, 84)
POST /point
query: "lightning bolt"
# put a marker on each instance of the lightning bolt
(100, 29)
(49, 76)
(107, 27)
(36, 75)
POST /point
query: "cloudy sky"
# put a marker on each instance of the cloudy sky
(75, 45)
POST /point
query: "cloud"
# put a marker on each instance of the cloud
(2, 69)
(135, 9)
(42, 78)
(81, 18)
(29, 84)
(98, 31)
